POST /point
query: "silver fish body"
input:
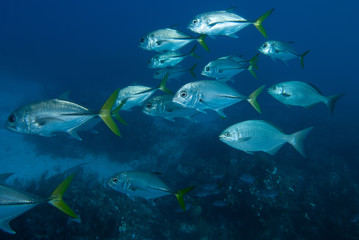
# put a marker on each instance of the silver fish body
(297, 93)
(173, 72)
(223, 68)
(134, 96)
(139, 184)
(166, 39)
(48, 117)
(210, 94)
(162, 106)
(281, 50)
(224, 23)
(257, 135)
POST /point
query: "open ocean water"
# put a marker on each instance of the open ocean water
(90, 48)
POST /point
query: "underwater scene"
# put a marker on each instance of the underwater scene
(179, 120)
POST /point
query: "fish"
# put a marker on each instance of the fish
(169, 39)
(136, 95)
(225, 68)
(14, 203)
(281, 50)
(49, 117)
(162, 106)
(297, 93)
(211, 94)
(174, 72)
(169, 59)
(257, 135)
(225, 22)
(145, 185)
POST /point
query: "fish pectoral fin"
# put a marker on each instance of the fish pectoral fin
(286, 94)
(74, 134)
(232, 35)
(5, 226)
(245, 139)
(47, 120)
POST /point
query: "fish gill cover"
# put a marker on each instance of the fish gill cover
(250, 189)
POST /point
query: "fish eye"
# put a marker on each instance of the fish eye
(184, 94)
(148, 105)
(142, 39)
(115, 180)
(12, 118)
(162, 61)
(207, 69)
(265, 45)
(274, 87)
(194, 21)
(227, 134)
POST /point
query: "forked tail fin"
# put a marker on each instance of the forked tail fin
(258, 23)
(302, 57)
(56, 197)
(106, 114)
(297, 140)
(331, 100)
(252, 99)
(179, 195)
(201, 41)
(162, 85)
(252, 65)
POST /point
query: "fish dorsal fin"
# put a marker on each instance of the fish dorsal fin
(315, 87)
(273, 125)
(48, 120)
(5, 176)
(5, 226)
(174, 26)
(65, 96)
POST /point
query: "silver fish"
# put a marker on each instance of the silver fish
(224, 23)
(136, 95)
(215, 95)
(169, 59)
(162, 106)
(174, 72)
(168, 39)
(281, 50)
(144, 185)
(225, 68)
(257, 135)
(297, 93)
(13, 203)
(48, 117)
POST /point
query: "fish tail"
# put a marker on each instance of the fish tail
(191, 70)
(252, 65)
(56, 197)
(297, 140)
(302, 57)
(192, 53)
(201, 41)
(115, 112)
(162, 85)
(179, 195)
(106, 113)
(331, 100)
(258, 23)
(252, 99)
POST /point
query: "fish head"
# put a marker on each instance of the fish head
(276, 90)
(267, 48)
(229, 135)
(209, 70)
(148, 42)
(152, 107)
(187, 96)
(199, 24)
(119, 182)
(18, 121)
(156, 62)
(160, 74)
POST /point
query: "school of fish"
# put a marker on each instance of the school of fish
(56, 116)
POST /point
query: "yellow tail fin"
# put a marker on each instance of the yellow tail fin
(56, 197)
(179, 195)
(105, 113)
(259, 21)
(253, 98)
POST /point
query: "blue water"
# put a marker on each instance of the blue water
(90, 48)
